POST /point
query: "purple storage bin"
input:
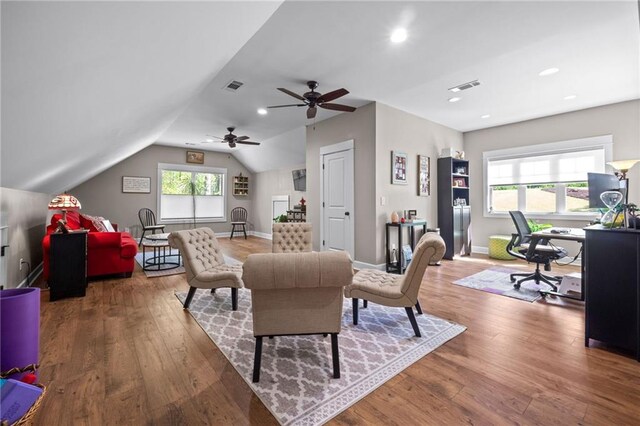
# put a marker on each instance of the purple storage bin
(19, 328)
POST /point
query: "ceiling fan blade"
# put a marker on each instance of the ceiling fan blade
(290, 93)
(217, 137)
(241, 138)
(338, 107)
(311, 112)
(328, 97)
(284, 106)
(248, 142)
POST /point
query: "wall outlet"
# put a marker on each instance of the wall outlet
(21, 261)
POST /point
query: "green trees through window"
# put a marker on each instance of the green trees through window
(176, 182)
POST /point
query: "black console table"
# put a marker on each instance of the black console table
(397, 266)
(68, 267)
(612, 264)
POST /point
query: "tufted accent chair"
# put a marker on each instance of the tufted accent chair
(297, 293)
(397, 290)
(292, 237)
(204, 263)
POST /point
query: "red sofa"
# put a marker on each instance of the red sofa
(108, 253)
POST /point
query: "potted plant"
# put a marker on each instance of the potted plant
(280, 219)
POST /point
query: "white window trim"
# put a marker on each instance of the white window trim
(604, 141)
(188, 168)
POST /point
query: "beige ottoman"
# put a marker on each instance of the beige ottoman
(498, 247)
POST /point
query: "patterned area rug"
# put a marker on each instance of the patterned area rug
(296, 382)
(496, 280)
(173, 257)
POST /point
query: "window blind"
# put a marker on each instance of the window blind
(559, 167)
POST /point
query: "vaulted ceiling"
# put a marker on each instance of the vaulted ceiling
(88, 84)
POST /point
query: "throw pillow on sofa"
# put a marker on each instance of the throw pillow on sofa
(93, 223)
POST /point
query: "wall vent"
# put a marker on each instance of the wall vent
(233, 85)
(464, 86)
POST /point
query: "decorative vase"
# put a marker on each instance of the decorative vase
(611, 218)
(394, 217)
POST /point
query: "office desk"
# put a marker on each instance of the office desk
(573, 234)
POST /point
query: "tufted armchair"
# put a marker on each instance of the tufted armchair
(297, 293)
(292, 237)
(204, 263)
(397, 290)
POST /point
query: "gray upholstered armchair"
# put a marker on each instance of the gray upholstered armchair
(294, 237)
(397, 290)
(204, 263)
(297, 293)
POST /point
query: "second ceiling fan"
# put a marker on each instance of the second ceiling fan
(232, 139)
(313, 99)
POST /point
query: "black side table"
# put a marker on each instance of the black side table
(397, 266)
(68, 265)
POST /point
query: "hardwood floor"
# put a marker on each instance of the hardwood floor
(127, 353)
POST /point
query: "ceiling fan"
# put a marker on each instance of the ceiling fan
(314, 99)
(232, 139)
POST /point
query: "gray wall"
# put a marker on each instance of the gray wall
(25, 214)
(267, 184)
(359, 126)
(102, 195)
(401, 131)
(622, 120)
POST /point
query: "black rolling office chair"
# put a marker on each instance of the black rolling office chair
(542, 254)
(148, 222)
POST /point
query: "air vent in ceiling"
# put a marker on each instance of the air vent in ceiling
(465, 86)
(233, 85)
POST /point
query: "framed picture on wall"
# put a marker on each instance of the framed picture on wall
(136, 185)
(398, 168)
(196, 157)
(424, 176)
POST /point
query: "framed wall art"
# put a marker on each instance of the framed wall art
(196, 157)
(424, 176)
(398, 168)
(136, 185)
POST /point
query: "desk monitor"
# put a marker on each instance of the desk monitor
(598, 183)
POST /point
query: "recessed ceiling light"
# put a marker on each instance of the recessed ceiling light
(486, 116)
(399, 35)
(262, 111)
(548, 71)
(454, 99)
(209, 140)
(569, 97)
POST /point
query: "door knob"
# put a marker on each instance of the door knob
(346, 213)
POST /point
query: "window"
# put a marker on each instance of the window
(188, 191)
(544, 179)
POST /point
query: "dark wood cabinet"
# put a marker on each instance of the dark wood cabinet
(68, 265)
(454, 210)
(612, 266)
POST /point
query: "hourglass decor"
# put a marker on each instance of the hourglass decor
(611, 199)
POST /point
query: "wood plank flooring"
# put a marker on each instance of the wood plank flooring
(127, 353)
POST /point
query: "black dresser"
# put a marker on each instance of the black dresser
(612, 266)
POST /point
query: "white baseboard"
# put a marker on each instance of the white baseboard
(261, 235)
(33, 275)
(363, 265)
(480, 249)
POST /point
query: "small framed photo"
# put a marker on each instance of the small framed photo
(424, 178)
(136, 184)
(412, 214)
(196, 157)
(398, 168)
(458, 182)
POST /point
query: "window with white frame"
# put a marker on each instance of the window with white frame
(544, 179)
(188, 192)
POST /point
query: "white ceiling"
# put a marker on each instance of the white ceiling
(86, 84)
(346, 44)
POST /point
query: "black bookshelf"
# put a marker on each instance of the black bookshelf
(454, 209)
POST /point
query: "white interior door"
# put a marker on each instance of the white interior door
(337, 201)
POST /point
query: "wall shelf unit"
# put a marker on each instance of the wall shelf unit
(241, 185)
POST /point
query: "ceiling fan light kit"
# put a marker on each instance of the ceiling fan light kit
(312, 100)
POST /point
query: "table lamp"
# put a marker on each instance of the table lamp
(64, 202)
(622, 167)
